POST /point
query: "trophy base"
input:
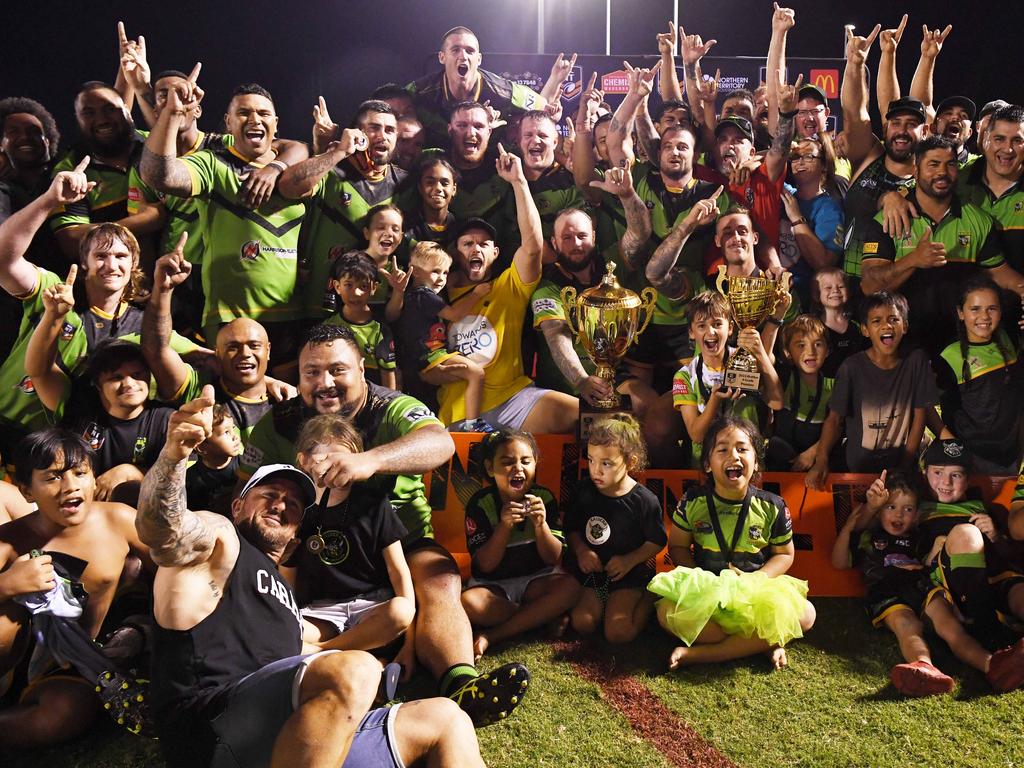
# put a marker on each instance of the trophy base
(591, 416)
(746, 381)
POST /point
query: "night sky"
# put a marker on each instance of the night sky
(343, 49)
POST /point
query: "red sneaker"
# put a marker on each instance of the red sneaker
(919, 678)
(1006, 670)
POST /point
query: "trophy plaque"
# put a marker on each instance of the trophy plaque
(752, 299)
(606, 319)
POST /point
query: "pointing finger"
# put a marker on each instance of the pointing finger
(717, 192)
(83, 164)
(593, 81)
(501, 150)
(194, 74)
(882, 476)
(121, 35)
(72, 274)
(179, 247)
(799, 81)
(903, 24)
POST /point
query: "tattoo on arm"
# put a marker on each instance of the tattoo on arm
(559, 339)
(305, 175)
(166, 173)
(783, 137)
(660, 268)
(176, 535)
(638, 230)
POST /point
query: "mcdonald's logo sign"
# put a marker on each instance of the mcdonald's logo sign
(827, 80)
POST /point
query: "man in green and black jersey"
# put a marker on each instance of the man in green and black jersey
(461, 79)
(250, 265)
(481, 190)
(954, 119)
(992, 181)
(113, 145)
(351, 175)
(947, 243)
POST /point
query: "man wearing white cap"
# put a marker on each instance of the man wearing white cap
(230, 686)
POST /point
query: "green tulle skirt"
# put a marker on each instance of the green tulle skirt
(745, 604)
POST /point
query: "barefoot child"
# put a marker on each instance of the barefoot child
(615, 527)
(733, 543)
(354, 278)
(805, 395)
(937, 598)
(514, 536)
(422, 327)
(350, 573)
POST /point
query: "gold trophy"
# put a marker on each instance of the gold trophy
(606, 319)
(752, 300)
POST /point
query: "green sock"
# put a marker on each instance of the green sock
(456, 676)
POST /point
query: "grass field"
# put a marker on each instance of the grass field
(832, 707)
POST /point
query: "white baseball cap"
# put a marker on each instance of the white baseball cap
(283, 472)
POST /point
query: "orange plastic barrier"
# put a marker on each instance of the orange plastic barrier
(817, 515)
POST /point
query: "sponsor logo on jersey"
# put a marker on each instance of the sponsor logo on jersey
(474, 337)
(26, 385)
(1018, 207)
(754, 532)
(598, 531)
(93, 435)
(870, 248)
(250, 250)
(964, 239)
(134, 195)
(140, 449)
(418, 413)
(346, 199)
(67, 331)
(703, 527)
(680, 387)
(544, 305)
(470, 526)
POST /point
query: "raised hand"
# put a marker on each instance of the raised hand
(509, 166)
(324, 128)
(667, 40)
(132, 55)
(562, 67)
(493, 116)
(857, 47)
(692, 48)
(171, 269)
(877, 493)
(704, 211)
(708, 89)
(932, 40)
(590, 104)
(890, 38)
(59, 299)
(783, 19)
(71, 186)
(352, 140)
(397, 278)
(789, 95)
(616, 181)
(190, 425)
(641, 80)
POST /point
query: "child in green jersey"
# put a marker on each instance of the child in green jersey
(982, 381)
(733, 543)
(354, 279)
(805, 394)
(514, 535)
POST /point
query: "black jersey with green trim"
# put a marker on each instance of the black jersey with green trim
(861, 206)
(108, 200)
(936, 518)
(1007, 209)
(972, 242)
(879, 554)
(334, 223)
(767, 525)
(417, 231)
(521, 558)
(386, 415)
(434, 102)
(983, 396)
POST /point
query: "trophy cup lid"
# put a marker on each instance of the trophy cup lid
(608, 294)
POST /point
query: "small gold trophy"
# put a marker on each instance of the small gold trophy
(752, 300)
(606, 319)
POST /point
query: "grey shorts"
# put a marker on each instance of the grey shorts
(259, 705)
(513, 412)
(514, 587)
(348, 614)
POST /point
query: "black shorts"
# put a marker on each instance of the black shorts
(906, 590)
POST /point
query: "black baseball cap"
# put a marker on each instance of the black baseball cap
(810, 91)
(906, 106)
(992, 106)
(476, 223)
(739, 123)
(947, 453)
(957, 101)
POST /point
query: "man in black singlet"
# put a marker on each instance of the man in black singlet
(230, 686)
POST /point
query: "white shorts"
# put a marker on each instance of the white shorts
(514, 587)
(348, 614)
(513, 412)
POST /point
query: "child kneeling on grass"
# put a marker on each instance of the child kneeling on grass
(733, 543)
(615, 528)
(514, 536)
(350, 573)
(888, 545)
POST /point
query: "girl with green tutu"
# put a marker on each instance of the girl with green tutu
(733, 543)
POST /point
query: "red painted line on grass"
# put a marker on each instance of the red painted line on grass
(645, 712)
